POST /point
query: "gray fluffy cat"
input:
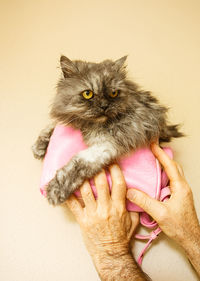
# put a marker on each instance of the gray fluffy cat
(113, 114)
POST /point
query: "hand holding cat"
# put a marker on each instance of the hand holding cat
(107, 227)
(177, 216)
(105, 221)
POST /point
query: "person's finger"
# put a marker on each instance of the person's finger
(75, 207)
(118, 193)
(88, 197)
(180, 170)
(135, 222)
(80, 200)
(169, 165)
(102, 187)
(148, 204)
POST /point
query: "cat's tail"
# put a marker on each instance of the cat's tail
(170, 132)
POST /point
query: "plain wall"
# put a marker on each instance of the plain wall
(162, 38)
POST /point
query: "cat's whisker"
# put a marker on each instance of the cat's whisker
(73, 119)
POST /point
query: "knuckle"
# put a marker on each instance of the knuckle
(145, 202)
(120, 183)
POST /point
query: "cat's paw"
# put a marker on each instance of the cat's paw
(70, 178)
(56, 192)
(39, 150)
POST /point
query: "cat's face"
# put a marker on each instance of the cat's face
(94, 92)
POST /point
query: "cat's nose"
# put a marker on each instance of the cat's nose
(104, 107)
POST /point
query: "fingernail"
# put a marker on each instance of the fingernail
(114, 167)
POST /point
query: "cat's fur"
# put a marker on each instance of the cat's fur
(111, 127)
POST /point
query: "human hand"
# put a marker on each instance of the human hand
(105, 223)
(107, 227)
(177, 216)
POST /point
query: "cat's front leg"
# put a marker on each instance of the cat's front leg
(84, 165)
(40, 146)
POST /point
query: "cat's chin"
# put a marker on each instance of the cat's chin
(101, 119)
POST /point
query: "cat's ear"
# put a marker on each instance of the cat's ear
(120, 62)
(67, 66)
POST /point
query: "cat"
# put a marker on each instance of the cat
(113, 114)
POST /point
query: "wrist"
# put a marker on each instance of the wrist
(107, 249)
(191, 247)
(118, 265)
(191, 240)
(110, 253)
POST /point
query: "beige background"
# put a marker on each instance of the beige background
(162, 38)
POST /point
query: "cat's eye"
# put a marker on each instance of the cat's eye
(114, 94)
(87, 94)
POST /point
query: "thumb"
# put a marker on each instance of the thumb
(135, 219)
(148, 204)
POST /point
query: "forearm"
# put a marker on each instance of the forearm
(121, 267)
(191, 246)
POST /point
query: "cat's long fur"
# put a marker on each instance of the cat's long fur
(111, 127)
